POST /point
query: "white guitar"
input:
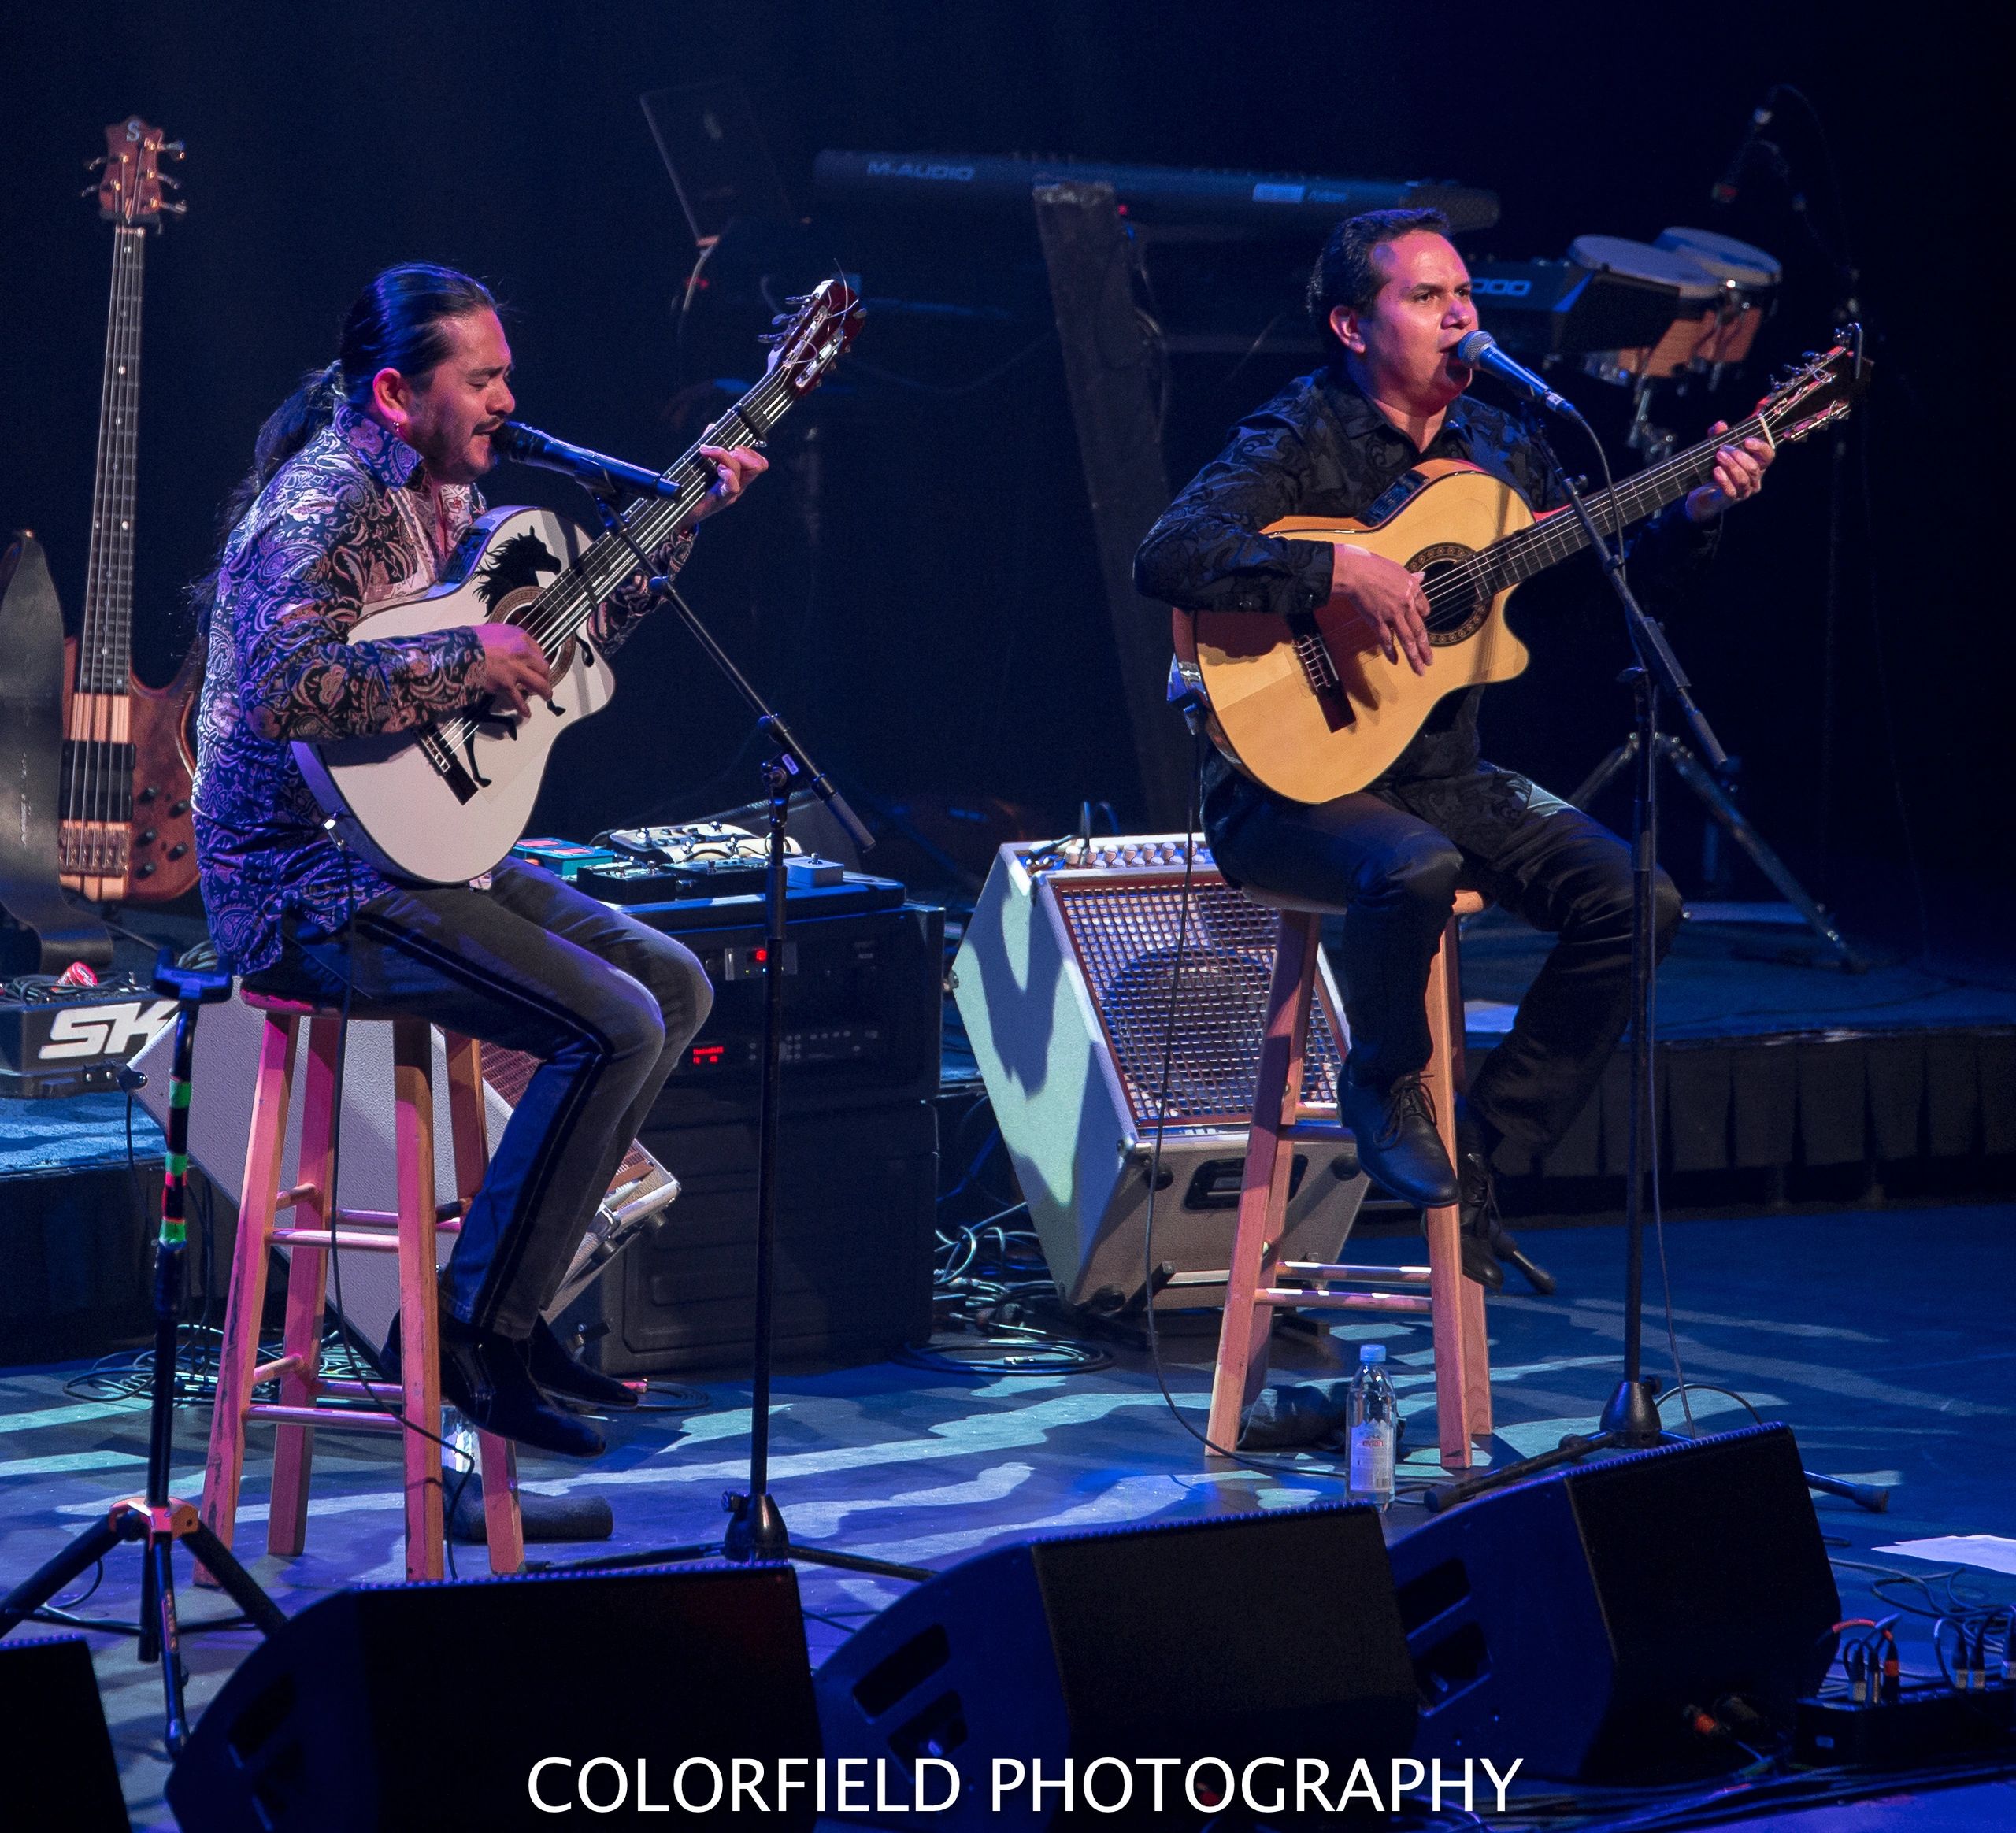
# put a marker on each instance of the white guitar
(445, 802)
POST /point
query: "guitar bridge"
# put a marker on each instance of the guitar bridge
(1319, 668)
(434, 748)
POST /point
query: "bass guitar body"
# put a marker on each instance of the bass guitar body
(136, 843)
(443, 804)
(1308, 704)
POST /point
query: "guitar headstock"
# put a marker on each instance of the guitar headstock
(130, 192)
(817, 333)
(1822, 387)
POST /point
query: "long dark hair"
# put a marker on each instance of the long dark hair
(399, 321)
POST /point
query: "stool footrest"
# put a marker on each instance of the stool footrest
(342, 1419)
(1286, 1299)
(325, 1238)
(297, 1195)
(1367, 1275)
(273, 1370)
(446, 1216)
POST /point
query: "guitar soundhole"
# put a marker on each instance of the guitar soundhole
(1458, 610)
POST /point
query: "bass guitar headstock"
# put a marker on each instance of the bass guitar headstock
(817, 335)
(1822, 387)
(129, 193)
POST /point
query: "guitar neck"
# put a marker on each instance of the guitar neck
(1554, 537)
(105, 648)
(566, 606)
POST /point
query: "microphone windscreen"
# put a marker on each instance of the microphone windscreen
(1471, 349)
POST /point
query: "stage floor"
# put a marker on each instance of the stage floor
(1882, 1337)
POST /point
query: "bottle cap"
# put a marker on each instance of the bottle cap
(1372, 1351)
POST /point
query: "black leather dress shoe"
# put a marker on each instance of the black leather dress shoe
(484, 1375)
(564, 1377)
(1488, 1245)
(1398, 1146)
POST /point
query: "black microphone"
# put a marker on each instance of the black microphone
(528, 446)
(1480, 350)
(1725, 190)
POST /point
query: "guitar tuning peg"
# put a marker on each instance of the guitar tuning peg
(174, 209)
(172, 183)
(174, 149)
(90, 190)
(1809, 356)
(95, 165)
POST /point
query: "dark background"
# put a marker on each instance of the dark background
(951, 640)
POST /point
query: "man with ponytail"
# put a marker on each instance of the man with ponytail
(363, 486)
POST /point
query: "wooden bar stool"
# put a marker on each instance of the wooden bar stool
(317, 1227)
(1257, 1284)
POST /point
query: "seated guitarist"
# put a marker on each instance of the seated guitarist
(1394, 296)
(363, 485)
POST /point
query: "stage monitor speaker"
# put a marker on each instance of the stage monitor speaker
(1235, 1637)
(1063, 982)
(53, 1743)
(426, 1707)
(1576, 1620)
(227, 1070)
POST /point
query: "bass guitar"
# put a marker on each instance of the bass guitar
(1309, 705)
(124, 833)
(445, 802)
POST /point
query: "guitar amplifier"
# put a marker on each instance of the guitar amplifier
(1063, 980)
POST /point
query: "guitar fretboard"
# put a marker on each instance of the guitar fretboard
(1519, 557)
(564, 607)
(106, 642)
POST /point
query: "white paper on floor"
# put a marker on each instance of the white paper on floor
(1996, 1552)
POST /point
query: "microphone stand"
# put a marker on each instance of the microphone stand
(1630, 1419)
(156, 1518)
(756, 1529)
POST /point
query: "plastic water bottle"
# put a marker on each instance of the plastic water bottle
(1375, 1417)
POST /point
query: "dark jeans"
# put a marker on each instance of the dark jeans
(606, 1004)
(1394, 858)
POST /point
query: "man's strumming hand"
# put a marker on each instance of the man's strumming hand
(1388, 598)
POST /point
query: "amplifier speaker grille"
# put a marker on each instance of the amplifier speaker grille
(1125, 933)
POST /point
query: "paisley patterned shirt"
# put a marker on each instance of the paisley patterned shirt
(351, 521)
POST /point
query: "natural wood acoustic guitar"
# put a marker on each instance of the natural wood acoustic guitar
(1309, 705)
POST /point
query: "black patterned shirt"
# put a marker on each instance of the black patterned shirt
(1320, 448)
(350, 522)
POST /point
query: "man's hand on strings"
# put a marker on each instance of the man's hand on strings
(735, 469)
(515, 670)
(1387, 597)
(1739, 473)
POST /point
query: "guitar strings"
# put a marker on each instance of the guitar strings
(94, 761)
(559, 613)
(1559, 536)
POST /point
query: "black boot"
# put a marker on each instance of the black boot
(1398, 1146)
(564, 1377)
(485, 1376)
(1487, 1241)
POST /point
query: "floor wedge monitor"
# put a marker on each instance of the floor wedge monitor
(1582, 1621)
(1233, 1640)
(509, 1703)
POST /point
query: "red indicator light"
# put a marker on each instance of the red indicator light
(759, 955)
(705, 1056)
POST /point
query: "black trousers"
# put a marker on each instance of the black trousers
(607, 1005)
(1395, 857)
